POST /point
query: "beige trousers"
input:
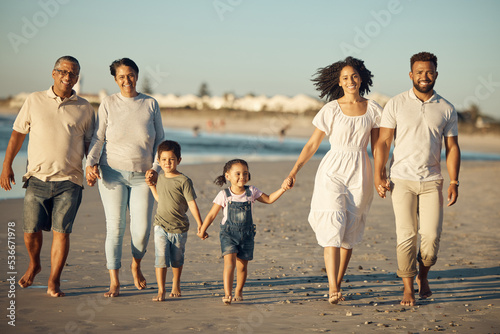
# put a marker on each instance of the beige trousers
(418, 209)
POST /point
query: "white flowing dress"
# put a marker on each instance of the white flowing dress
(343, 188)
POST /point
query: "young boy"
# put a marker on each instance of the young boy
(175, 194)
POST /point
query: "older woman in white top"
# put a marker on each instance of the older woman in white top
(128, 131)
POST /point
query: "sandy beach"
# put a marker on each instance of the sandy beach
(286, 286)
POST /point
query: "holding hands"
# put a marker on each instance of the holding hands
(203, 235)
(382, 184)
(383, 187)
(92, 174)
(288, 183)
(151, 177)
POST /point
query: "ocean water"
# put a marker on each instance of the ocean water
(204, 148)
(206, 145)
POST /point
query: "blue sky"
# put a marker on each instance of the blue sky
(258, 46)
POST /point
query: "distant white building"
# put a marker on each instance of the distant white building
(250, 103)
(17, 100)
(279, 103)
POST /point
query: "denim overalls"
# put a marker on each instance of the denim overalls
(237, 233)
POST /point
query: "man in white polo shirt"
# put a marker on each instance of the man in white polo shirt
(60, 125)
(418, 120)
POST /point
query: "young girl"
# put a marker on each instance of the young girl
(237, 229)
(343, 189)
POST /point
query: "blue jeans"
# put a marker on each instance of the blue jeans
(169, 248)
(121, 190)
(50, 204)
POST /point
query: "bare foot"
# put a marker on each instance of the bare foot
(238, 296)
(160, 297)
(408, 298)
(227, 300)
(114, 291)
(334, 298)
(424, 291)
(139, 280)
(29, 277)
(54, 290)
(176, 289)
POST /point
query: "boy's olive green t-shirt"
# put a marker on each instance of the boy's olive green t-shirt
(173, 197)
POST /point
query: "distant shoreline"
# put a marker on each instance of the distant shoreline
(272, 123)
(300, 126)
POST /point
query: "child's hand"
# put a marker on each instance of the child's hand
(203, 235)
(151, 177)
(287, 183)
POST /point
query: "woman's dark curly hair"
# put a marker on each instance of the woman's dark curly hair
(327, 78)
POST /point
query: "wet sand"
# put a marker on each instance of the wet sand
(286, 286)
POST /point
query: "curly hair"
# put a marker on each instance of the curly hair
(423, 56)
(327, 78)
(221, 179)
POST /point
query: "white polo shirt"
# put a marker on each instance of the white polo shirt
(58, 129)
(418, 136)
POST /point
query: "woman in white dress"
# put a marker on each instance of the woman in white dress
(343, 189)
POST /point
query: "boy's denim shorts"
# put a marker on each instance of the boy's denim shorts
(169, 248)
(50, 205)
(237, 240)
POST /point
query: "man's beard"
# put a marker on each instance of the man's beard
(424, 90)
